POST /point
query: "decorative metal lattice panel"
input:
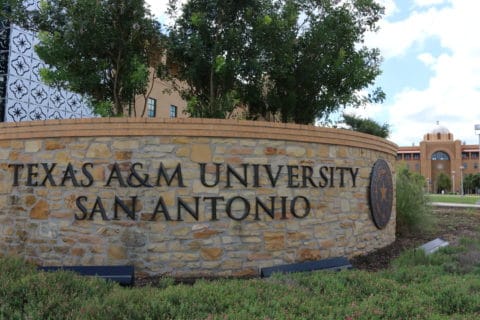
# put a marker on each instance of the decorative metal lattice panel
(23, 95)
(4, 53)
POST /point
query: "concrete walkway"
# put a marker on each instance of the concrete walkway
(455, 205)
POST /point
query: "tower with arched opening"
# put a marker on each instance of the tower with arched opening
(440, 154)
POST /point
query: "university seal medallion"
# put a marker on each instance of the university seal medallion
(381, 193)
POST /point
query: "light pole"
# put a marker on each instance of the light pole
(461, 180)
(453, 181)
(477, 131)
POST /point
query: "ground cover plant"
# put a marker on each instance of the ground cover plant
(424, 288)
(445, 285)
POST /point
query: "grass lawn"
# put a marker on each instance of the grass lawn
(451, 198)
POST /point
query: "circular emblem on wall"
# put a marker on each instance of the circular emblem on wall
(381, 193)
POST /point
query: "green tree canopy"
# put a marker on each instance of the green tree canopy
(298, 59)
(100, 48)
(444, 183)
(471, 183)
(211, 44)
(366, 126)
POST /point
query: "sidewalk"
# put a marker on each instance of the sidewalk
(455, 205)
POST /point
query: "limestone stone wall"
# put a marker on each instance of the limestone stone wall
(186, 197)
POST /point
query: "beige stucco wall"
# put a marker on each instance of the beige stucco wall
(59, 180)
(165, 95)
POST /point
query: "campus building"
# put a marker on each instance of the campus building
(439, 153)
(162, 101)
(24, 97)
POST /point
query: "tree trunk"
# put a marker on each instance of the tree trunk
(212, 94)
(147, 95)
(116, 90)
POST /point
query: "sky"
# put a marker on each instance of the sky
(430, 68)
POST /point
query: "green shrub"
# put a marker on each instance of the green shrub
(417, 257)
(418, 287)
(455, 295)
(26, 293)
(414, 212)
(461, 259)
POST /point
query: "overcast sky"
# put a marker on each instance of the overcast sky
(431, 67)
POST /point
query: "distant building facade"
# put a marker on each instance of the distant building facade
(162, 101)
(440, 153)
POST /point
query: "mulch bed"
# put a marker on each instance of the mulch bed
(452, 224)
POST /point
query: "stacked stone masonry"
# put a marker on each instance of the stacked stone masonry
(142, 192)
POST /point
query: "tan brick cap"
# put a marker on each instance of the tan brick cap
(191, 127)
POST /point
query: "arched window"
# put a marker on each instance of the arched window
(440, 155)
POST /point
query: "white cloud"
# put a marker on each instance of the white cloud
(367, 112)
(453, 92)
(426, 3)
(426, 58)
(390, 7)
(159, 7)
(395, 38)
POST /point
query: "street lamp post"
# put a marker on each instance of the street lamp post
(453, 181)
(461, 180)
(477, 131)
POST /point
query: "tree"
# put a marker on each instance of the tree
(100, 48)
(476, 182)
(443, 182)
(471, 183)
(299, 59)
(468, 184)
(366, 126)
(211, 46)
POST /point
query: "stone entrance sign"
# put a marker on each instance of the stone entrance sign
(189, 197)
